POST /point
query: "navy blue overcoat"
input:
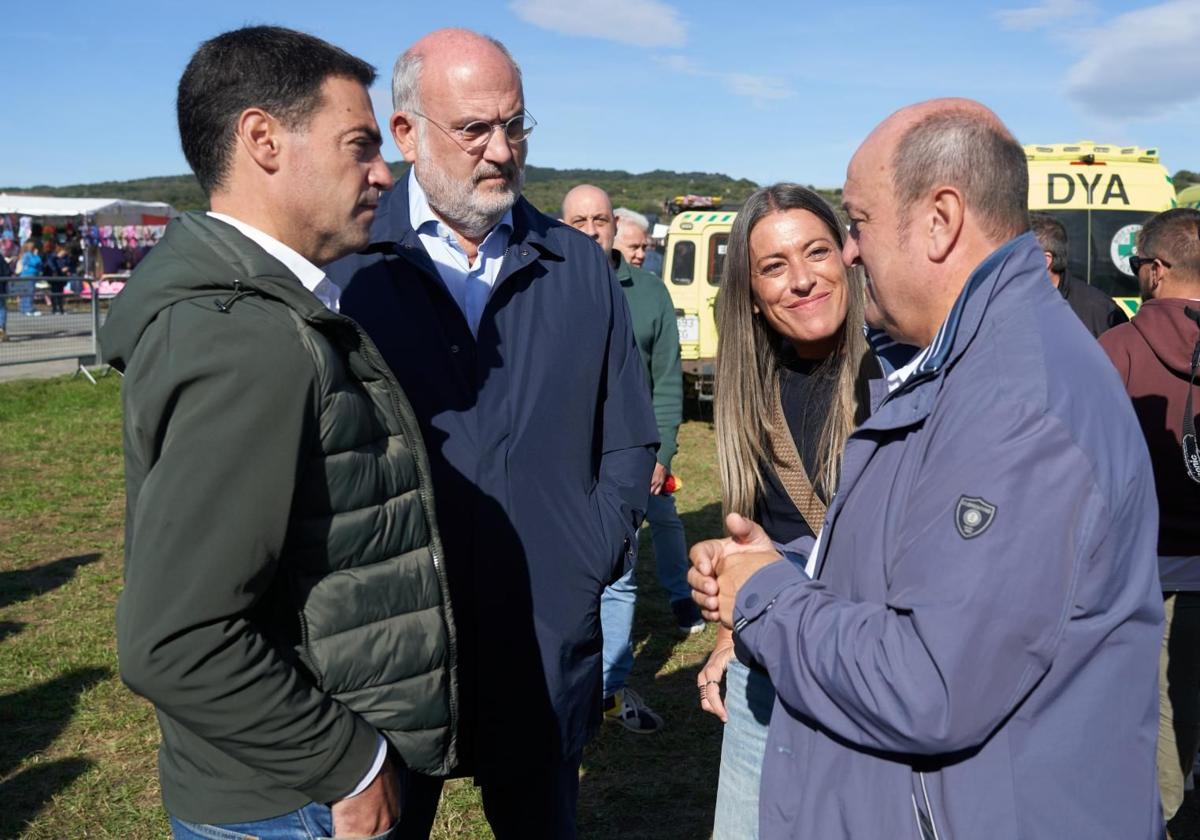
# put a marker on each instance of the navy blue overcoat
(541, 439)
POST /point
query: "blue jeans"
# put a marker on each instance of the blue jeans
(617, 601)
(749, 698)
(312, 822)
(616, 626)
(670, 547)
(24, 289)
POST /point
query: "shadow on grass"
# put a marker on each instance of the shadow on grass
(10, 628)
(660, 786)
(22, 584)
(27, 793)
(30, 719)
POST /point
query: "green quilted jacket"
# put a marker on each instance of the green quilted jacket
(285, 599)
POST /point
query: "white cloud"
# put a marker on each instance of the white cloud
(759, 89)
(1140, 64)
(1046, 13)
(642, 23)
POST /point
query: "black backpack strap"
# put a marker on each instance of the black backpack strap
(1191, 452)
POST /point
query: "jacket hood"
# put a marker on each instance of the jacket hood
(198, 257)
(1171, 334)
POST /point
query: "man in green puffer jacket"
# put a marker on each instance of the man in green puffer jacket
(285, 605)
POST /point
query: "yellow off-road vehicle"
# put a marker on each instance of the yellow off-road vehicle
(692, 269)
(1102, 194)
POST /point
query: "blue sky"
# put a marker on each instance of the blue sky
(761, 90)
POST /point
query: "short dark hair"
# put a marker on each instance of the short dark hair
(269, 67)
(975, 154)
(1174, 236)
(1052, 236)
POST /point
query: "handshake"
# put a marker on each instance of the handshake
(720, 567)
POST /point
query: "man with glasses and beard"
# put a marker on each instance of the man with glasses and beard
(512, 339)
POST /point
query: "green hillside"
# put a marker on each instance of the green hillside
(544, 186)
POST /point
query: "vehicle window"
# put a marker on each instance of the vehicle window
(1100, 242)
(683, 263)
(654, 261)
(716, 257)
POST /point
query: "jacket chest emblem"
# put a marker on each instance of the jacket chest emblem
(973, 516)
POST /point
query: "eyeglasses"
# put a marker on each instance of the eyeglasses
(475, 135)
(1136, 263)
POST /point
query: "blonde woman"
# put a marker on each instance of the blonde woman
(792, 363)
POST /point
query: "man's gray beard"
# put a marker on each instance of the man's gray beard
(467, 211)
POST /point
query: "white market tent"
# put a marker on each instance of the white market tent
(100, 211)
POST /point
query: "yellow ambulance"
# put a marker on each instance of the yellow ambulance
(1102, 194)
(692, 269)
(1189, 196)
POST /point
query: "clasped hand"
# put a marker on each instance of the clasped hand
(720, 567)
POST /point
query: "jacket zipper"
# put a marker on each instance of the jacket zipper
(926, 824)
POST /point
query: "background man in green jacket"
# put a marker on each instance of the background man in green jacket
(589, 209)
(285, 606)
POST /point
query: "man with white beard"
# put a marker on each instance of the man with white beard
(511, 338)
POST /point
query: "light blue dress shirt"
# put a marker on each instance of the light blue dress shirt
(470, 285)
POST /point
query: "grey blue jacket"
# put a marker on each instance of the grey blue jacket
(285, 597)
(541, 438)
(978, 655)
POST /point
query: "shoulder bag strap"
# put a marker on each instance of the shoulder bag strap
(790, 469)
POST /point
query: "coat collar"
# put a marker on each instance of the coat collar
(1017, 261)
(252, 267)
(530, 229)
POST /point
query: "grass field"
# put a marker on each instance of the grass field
(77, 750)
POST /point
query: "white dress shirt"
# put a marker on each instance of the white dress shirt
(310, 276)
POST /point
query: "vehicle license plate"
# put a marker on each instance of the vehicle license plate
(689, 328)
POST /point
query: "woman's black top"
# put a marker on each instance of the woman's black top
(806, 393)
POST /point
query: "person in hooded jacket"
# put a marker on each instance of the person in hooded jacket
(1156, 355)
(285, 605)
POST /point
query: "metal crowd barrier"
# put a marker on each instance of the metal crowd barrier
(43, 325)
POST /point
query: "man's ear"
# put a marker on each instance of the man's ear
(945, 215)
(1049, 259)
(260, 135)
(1157, 275)
(404, 132)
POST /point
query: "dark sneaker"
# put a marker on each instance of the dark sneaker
(687, 616)
(627, 708)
